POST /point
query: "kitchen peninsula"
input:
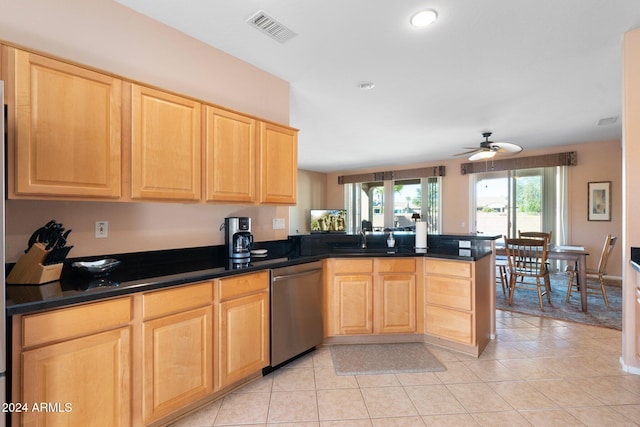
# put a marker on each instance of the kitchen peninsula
(188, 308)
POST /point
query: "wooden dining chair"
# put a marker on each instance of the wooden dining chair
(595, 278)
(502, 263)
(527, 261)
(535, 235)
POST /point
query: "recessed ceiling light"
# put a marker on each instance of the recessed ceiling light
(366, 85)
(424, 18)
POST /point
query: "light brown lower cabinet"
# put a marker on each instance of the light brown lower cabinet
(85, 381)
(177, 353)
(368, 296)
(442, 301)
(458, 303)
(243, 328)
(142, 359)
(74, 364)
(395, 304)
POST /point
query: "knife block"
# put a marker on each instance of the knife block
(29, 268)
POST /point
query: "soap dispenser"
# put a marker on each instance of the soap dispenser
(391, 241)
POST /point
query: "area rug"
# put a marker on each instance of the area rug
(372, 359)
(526, 302)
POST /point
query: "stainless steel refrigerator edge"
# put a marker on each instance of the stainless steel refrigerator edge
(3, 326)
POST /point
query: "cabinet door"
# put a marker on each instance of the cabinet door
(353, 298)
(67, 129)
(450, 292)
(278, 164)
(85, 381)
(243, 338)
(230, 156)
(178, 362)
(396, 304)
(450, 324)
(165, 146)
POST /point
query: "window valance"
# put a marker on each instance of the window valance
(392, 175)
(569, 158)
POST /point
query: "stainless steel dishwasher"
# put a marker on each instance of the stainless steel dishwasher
(296, 310)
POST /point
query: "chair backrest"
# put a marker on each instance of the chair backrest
(526, 256)
(609, 243)
(535, 235)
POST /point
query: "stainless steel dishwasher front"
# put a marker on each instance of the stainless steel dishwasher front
(296, 310)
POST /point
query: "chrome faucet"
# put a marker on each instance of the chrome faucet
(363, 239)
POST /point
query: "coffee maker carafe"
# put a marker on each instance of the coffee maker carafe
(237, 236)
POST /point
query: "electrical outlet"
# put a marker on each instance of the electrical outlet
(102, 229)
(278, 223)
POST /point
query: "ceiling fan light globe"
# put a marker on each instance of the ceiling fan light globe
(424, 18)
(482, 155)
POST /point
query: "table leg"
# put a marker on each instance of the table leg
(582, 280)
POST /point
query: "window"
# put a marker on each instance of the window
(391, 204)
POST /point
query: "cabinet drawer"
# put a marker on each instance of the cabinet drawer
(232, 287)
(404, 265)
(449, 268)
(341, 266)
(76, 321)
(449, 292)
(450, 324)
(159, 303)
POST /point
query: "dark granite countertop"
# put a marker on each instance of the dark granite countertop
(79, 289)
(162, 269)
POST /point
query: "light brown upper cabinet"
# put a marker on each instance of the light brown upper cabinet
(230, 156)
(75, 133)
(278, 164)
(67, 123)
(165, 145)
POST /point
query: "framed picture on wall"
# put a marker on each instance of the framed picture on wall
(600, 201)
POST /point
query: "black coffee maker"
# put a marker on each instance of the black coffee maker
(237, 237)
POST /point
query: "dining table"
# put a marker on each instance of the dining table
(570, 253)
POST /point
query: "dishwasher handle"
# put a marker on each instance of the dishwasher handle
(294, 275)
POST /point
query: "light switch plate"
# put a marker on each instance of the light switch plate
(102, 229)
(278, 223)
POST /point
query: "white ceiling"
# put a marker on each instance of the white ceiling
(535, 73)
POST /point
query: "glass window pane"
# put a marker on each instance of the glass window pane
(492, 205)
(407, 200)
(372, 206)
(431, 204)
(528, 201)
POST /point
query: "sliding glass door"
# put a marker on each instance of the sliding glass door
(508, 201)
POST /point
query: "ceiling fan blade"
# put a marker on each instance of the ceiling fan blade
(507, 148)
(475, 150)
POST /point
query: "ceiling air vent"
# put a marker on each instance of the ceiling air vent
(271, 27)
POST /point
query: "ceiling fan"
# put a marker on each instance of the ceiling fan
(489, 149)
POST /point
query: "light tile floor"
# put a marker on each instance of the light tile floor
(537, 372)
